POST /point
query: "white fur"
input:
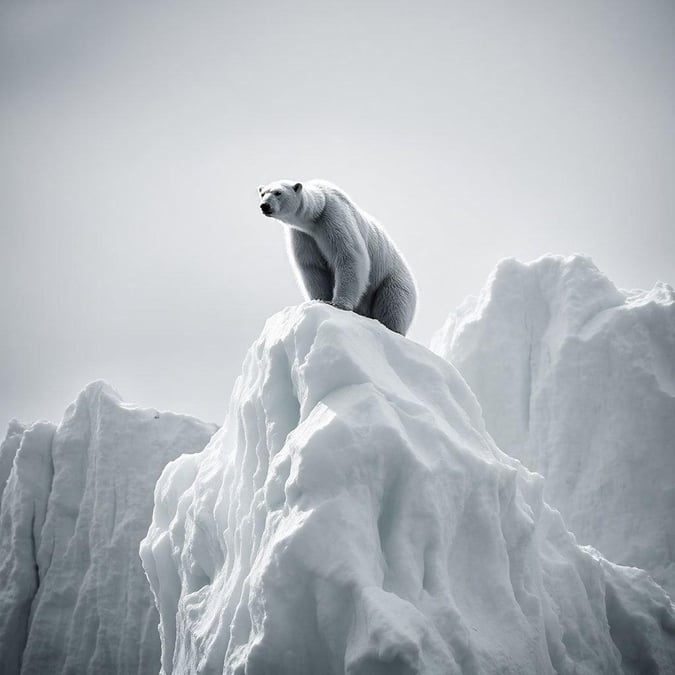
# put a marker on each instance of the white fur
(340, 253)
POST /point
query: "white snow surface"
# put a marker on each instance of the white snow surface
(76, 501)
(577, 379)
(354, 516)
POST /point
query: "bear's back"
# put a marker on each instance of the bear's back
(339, 202)
(383, 254)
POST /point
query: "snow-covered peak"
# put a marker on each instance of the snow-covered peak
(77, 500)
(577, 379)
(554, 295)
(353, 516)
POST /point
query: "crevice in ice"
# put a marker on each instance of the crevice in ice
(528, 387)
(33, 551)
(197, 580)
(386, 520)
(46, 555)
(428, 582)
(113, 511)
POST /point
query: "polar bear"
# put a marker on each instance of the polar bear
(340, 253)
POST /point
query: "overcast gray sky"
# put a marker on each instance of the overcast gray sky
(133, 137)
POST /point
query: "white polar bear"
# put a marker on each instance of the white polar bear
(341, 254)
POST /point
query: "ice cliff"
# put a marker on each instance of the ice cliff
(577, 379)
(354, 516)
(76, 502)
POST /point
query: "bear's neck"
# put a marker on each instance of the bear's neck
(311, 207)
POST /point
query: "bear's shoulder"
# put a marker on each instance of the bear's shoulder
(329, 193)
(324, 186)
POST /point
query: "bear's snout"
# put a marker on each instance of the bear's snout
(266, 208)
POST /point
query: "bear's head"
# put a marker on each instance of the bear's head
(280, 199)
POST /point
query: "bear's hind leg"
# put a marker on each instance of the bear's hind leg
(394, 306)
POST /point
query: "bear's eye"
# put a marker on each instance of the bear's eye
(277, 193)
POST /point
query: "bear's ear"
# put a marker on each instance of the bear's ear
(297, 187)
(260, 189)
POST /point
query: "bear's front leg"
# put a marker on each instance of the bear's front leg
(351, 280)
(318, 282)
(312, 269)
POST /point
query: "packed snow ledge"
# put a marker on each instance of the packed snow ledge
(354, 516)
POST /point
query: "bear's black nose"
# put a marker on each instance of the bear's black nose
(266, 209)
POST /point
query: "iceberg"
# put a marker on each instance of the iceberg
(76, 502)
(354, 515)
(577, 379)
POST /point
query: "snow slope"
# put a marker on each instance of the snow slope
(353, 515)
(76, 501)
(577, 379)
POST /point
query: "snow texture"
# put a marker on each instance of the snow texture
(76, 501)
(354, 516)
(577, 379)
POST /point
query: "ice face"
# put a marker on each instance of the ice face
(577, 379)
(77, 500)
(354, 516)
